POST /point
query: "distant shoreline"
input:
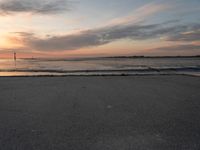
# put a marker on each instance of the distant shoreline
(196, 56)
(107, 57)
(112, 57)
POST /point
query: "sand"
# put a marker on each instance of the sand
(100, 113)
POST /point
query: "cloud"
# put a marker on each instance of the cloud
(183, 47)
(33, 6)
(105, 35)
(141, 13)
(86, 38)
(186, 36)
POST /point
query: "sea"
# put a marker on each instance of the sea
(101, 66)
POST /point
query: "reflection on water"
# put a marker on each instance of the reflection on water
(99, 66)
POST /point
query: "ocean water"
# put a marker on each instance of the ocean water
(101, 66)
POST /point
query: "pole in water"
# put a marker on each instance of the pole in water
(15, 58)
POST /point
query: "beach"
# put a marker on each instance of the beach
(160, 112)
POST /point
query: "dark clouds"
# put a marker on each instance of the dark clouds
(183, 47)
(187, 36)
(105, 35)
(88, 38)
(33, 6)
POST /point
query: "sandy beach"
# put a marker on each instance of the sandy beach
(100, 113)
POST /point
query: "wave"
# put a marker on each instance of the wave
(149, 69)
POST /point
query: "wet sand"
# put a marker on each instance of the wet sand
(100, 113)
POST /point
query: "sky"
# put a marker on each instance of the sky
(96, 28)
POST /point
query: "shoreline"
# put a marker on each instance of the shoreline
(102, 75)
